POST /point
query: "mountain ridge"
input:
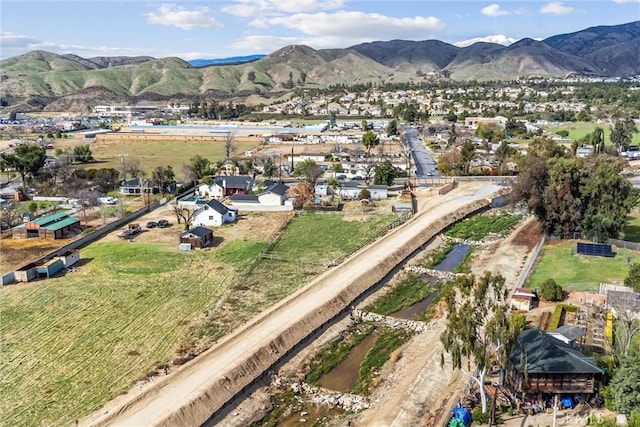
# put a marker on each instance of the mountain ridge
(42, 80)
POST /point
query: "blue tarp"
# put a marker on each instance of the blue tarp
(567, 402)
(462, 414)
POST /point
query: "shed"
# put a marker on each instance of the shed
(524, 299)
(26, 273)
(54, 226)
(50, 268)
(402, 208)
(197, 237)
(70, 257)
(378, 192)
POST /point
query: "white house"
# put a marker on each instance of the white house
(274, 195)
(212, 213)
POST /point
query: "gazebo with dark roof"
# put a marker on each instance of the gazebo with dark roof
(539, 363)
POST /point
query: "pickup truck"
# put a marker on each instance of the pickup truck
(130, 231)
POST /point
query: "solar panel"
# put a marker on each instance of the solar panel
(594, 249)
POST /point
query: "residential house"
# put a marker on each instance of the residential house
(273, 195)
(225, 186)
(323, 190)
(198, 237)
(139, 186)
(213, 213)
(541, 364)
(524, 299)
(349, 190)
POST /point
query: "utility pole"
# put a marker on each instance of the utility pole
(555, 409)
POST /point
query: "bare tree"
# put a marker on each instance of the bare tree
(9, 215)
(229, 146)
(184, 213)
(131, 166)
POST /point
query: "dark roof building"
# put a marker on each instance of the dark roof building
(539, 363)
(217, 206)
(278, 188)
(197, 237)
(244, 198)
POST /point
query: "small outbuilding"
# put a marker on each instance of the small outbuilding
(197, 237)
(50, 268)
(70, 257)
(524, 299)
(26, 273)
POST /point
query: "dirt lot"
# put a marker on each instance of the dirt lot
(15, 253)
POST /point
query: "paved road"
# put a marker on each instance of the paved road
(424, 164)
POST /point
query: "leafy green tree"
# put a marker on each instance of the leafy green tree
(164, 176)
(467, 154)
(625, 384)
(268, 169)
(607, 198)
(597, 140)
(563, 197)
(633, 277)
(337, 167)
(370, 140)
(26, 159)
(309, 170)
(451, 116)
(385, 173)
(478, 330)
(621, 135)
(251, 76)
(200, 166)
(503, 153)
(392, 128)
(82, 154)
(551, 291)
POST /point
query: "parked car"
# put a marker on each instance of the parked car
(358, 178)
(163, 223)
(130, 231)
(341, 176)
(152, 224)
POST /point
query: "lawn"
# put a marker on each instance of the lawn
(632, 230)
(71, 343)
(573, 272)
(577, 130)
(161, 153)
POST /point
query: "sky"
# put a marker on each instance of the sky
(221, 29)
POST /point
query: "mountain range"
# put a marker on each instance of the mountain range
(45, 81)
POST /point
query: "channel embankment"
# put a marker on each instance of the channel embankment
(202, 387)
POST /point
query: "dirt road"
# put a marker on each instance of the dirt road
(194, 391)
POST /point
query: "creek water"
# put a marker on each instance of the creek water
(453, 258)
(344, 376)
(410, 313)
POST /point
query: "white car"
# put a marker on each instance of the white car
(107, 200)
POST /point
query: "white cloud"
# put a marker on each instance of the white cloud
(556, 8)
(265, 44)
(493, 10)
(359, 25)
(181, 17)
(252, 8)
(12, 44)
(496, 38)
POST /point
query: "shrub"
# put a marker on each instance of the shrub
(551, 291)
(478, 417)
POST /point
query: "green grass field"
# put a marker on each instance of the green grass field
(632, 230)
(573, 272)
(577, 130)
(161, 153)
(71, 343)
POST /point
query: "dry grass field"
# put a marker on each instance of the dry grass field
(71, 343)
